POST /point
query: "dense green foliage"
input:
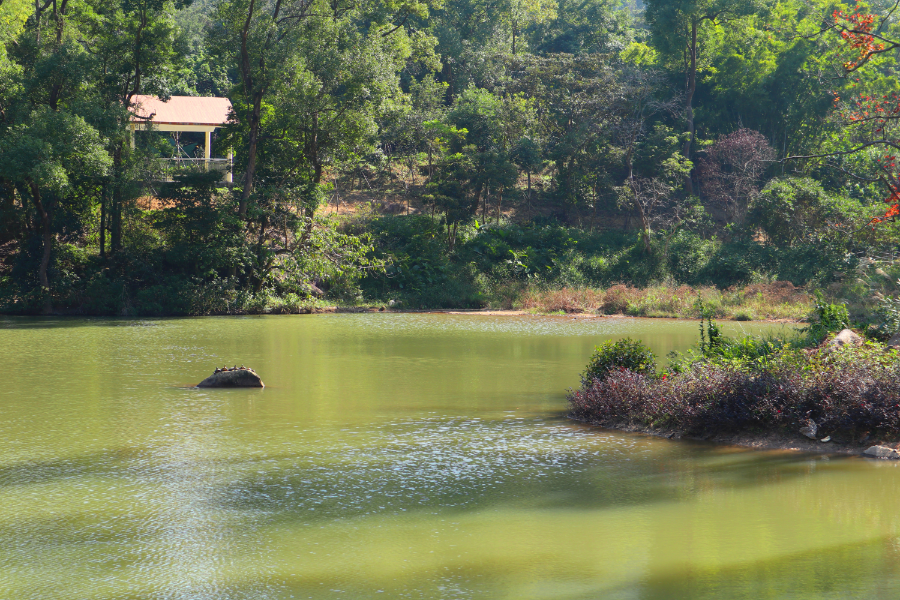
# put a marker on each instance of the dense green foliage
(617, 356)
(537, 144)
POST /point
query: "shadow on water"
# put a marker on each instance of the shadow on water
(55, 322)
(859, 571)
(865, 571)
(465, 473)
(32, 472)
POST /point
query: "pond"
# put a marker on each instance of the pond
(396, 456)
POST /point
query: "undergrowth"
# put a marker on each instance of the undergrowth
(752, 384)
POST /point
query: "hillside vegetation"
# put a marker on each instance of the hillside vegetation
(604, 156)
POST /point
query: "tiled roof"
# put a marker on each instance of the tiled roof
(182, 110)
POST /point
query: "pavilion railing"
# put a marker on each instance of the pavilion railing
(174, 166)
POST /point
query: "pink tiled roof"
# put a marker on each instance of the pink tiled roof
(182, 110)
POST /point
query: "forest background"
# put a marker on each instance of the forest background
(574, 155)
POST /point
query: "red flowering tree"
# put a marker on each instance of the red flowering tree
(871, 122)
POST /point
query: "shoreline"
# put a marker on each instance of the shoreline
(486, 312)
(773, 441)
(489, 312)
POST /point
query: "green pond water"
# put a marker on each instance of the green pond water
(396, 456)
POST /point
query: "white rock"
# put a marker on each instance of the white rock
(846, 336)
(881, 452)
(809, 431)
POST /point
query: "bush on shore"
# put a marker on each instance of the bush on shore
(750, 385)
(849, 393)
(620, 355)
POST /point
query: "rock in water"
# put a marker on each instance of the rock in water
(881, 452)
(232, 378)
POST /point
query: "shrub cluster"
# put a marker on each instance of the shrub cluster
(511, 264)
(757, 301)
(748, 383)
(847, 392)
(626, 354)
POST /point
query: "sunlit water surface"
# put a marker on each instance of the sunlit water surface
(396, 456)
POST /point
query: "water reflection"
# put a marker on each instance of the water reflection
(185, 540)
(409, 456)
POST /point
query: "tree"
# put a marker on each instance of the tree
(583, 27)
(527, 154)
(336, 79)
(793, 210)
(133, 53)
(870, 122)
(652, 196)
(576, 105)
(732, 170)
(263, 38)
(419, 127)
(46, 157)
(494, 173)
(677, 29)
(490, 123)
(523, 13)
(451, 192)
(768, 75)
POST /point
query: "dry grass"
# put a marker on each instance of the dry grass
(779, 300)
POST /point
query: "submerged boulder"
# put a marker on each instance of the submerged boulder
(236, 377)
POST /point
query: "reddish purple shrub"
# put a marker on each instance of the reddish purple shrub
(845, 399)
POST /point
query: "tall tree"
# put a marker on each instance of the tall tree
(261, 38)
(133, 44)
(678, 29)
(47, 156)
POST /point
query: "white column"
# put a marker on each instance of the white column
(132, 135)
(230, 176)
(207, 150)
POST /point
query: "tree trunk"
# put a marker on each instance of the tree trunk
(115, 212)
(103, 221)
(260, 275)
(689, 100)
(47, 237)
(529, 188)
(254, 120)
(250, 171)
(451, 236)
(645, 226)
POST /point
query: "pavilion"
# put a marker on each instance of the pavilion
(185, 114)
